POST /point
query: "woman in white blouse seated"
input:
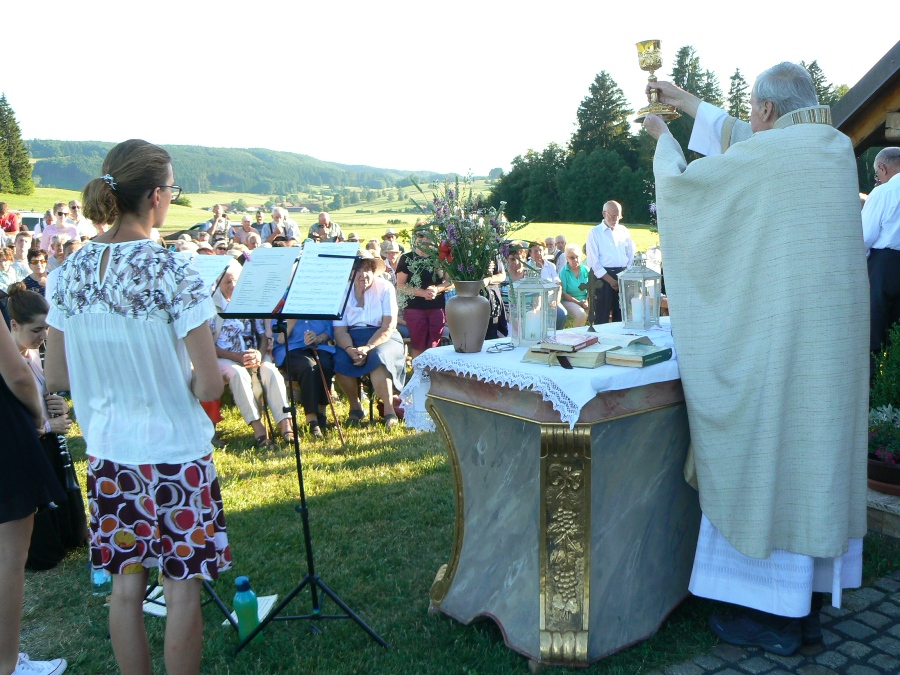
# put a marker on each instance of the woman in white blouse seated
(369, 342)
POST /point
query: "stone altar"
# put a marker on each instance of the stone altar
(577, 541)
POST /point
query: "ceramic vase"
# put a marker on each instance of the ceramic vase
(468, 314)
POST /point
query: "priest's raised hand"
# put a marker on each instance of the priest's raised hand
(671, 94)
(655, 126)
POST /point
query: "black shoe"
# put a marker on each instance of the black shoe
(322, 420)
(315, 431)
(744, 631)
(811, 625)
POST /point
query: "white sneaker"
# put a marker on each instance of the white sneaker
(26, 666)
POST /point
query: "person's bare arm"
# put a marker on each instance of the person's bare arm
(18, 377)
(56, 369)
(206, 382)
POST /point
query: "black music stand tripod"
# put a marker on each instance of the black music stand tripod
(311, 579)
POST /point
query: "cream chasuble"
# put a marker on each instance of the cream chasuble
(767, 288)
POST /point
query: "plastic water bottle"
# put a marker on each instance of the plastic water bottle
(101, 583)
(246, 606)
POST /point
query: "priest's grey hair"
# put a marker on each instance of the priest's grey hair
(787, 86)
(887, 156)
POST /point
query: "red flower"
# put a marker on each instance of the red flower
(444, 252)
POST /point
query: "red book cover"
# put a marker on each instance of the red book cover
(568, 342)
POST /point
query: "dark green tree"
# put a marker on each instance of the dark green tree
(603, 119)
(825, 91)
(495, 173)
(337, 203)
(688, 74)
(6, 184)
(591, 179)
(710, 90)
(530, 189)
(739, 97)
(16, 154)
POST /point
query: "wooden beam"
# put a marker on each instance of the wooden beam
(869, 120)
(892, 126)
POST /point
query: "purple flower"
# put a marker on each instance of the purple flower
(451, 194)
(460, 268)
(493, 223)
(504, 250)
(652, 208)
(470, 269)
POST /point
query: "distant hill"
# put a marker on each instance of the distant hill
(71, 164)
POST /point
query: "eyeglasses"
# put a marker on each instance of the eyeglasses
(176, 190)
(75, 208)
(39, 261)
(62, 213)
(500, 347)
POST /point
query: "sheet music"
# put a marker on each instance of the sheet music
(322, 283)
(210, 267)
(263, 281)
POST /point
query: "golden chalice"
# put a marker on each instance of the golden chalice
(650, 60)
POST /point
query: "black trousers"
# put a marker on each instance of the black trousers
(884, 294)
(305, 372)
(605, 300)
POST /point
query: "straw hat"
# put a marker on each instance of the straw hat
(367, 255)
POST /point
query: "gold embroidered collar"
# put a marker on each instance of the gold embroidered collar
(817, 114)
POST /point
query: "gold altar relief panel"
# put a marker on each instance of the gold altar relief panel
(444, 577)
(565, 542)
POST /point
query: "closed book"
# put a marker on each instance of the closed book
(592, 356)
(565, 341)
(639, 355)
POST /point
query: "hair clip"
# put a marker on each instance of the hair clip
(106, 178)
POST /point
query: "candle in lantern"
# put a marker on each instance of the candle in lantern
(532, 331)
(637, 309)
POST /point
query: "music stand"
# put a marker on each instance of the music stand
(309, 271)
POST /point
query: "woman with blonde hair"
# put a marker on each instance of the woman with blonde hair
(129, 319)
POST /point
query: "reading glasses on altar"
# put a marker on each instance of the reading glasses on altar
(501, 347)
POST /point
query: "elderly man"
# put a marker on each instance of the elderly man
(76, 219)
(881, 232)
(326, 229)
(776, 391)
(560, 243)
(388, 238)
(609, 251)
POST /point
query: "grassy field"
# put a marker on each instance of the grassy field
(381, 512)
(367, 225)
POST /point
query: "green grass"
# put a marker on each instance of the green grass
(381, 513)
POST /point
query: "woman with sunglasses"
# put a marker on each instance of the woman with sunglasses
(37, 263)
(59, 226)
(128, 319)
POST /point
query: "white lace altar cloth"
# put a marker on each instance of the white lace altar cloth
(568, 391)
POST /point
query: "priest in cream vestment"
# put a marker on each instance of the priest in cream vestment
(767, 288)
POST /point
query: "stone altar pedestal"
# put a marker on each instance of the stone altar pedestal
(576, 542)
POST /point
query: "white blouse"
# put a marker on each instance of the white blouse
(129, 370)
(380, 300)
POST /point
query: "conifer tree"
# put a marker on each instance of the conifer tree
(16, 154)
(824, 89)
(603, 119)
(6, 184)
(739, 97)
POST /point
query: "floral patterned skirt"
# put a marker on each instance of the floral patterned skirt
(157, 515)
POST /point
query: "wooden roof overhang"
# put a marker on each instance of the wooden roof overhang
(870, 112)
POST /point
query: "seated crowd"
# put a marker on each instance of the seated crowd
(389, 306)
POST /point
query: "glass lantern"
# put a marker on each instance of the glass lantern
(532, 304)
(639, 295)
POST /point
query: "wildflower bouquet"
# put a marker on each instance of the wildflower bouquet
(884, 434)
(460, 238)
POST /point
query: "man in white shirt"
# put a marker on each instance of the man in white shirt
(609, 251)
(881, 232)
(560, 258)
(76, 219)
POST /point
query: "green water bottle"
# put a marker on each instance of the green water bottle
(246, 606)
